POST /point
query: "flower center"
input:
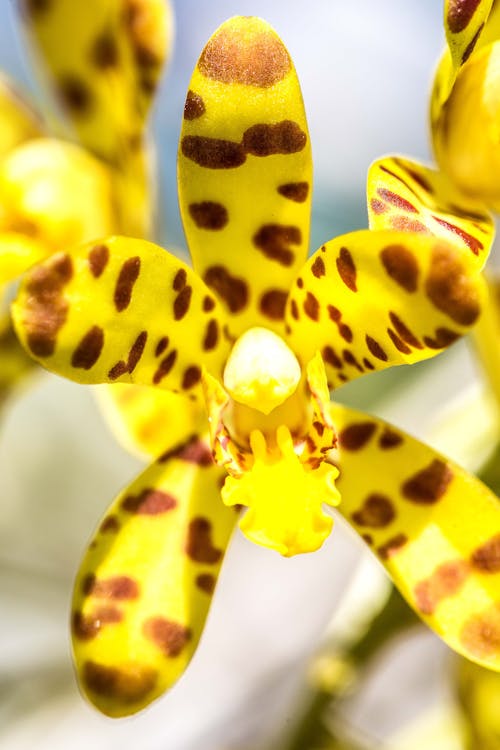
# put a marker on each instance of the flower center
(271, 430)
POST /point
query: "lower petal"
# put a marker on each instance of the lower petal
(146, 583)
(435, 528)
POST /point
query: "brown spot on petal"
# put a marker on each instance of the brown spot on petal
(165, 366)
(110, 524)
(272, 303)
(398, 343)
(396, 200)
(486, 558)
(392, 546)
(311, 306)
(87, 627)
(125, 685)
(37, 7)
(347, 269)
(404, 332)
(294, 191)
(213, 153)
(446, 580)
(401, 265)
(182, 302)
(460, 13)
(211, 336)
(376, 349)
(209, 215)
(331, 357)
(199, 546)
(284, 137)
(233, 55)
(480, 634)
(389, 439)
(149, 502)
(116, 587)
(193, 451)
(472, 242)
(376, 512)
(208, 303)
(232, 289)
(470, 47)
(104, 52)
(274, 241)
(127, 277)
(89, 349)
(443, 337)
(180, 280)
(206, 582)
(428, 485)
(74, 94)
(191, 377)
(170, 637)
(98, 259)
(318, 267)
(355, 436)
(45, 308)
(194, 106)
(136, 351)
(450, 288)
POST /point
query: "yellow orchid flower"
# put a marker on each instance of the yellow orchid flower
(253, 338)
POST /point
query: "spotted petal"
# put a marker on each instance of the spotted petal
(408, 196)
(369, 300)
(435, 527)
(464, 21)
(104, 58)
(149, 420)
(123, 310)
(146, 582)
(245, 171)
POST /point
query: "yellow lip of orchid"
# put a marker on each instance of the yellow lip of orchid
(125, 311)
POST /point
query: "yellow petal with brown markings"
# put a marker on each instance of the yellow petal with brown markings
(435, 528)
(373, 299)
(121, 310)
(146, 583)
(245, 172)
(408, 196)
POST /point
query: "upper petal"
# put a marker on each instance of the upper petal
(372, 299)
(406, 195)
(121, 309)
(435, 528)
(245, 171)
(146, 583)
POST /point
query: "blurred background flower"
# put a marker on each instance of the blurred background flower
(365, 71)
